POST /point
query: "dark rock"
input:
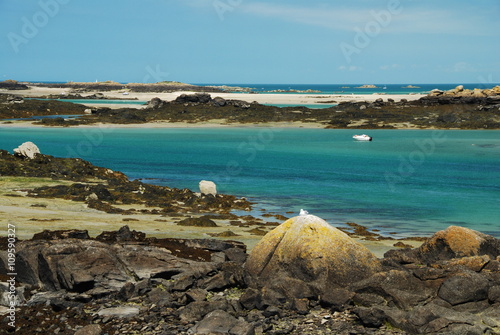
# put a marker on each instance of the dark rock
(215, 245)
(301, 306)
(123, 234)
(494, 294)
(221, 322)
(89, 330)
(198, 222)
(160, 297)
(237, 255)
(10, 84)
(198, 309)
(215, 283)
(251, 299)
(156, 103)
(201, 98)
(61, 234)
(368, 299)
(127, 291)
(184, 282)
(336, 298)
(272, 311)
(371, 317)
(464, 287)
(197, 294)
(219, 102)
(397, 287)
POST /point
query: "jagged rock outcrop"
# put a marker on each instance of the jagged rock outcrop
(129, 283)
(305, 257)
(459, 91)
(155, 103)
(102, 266)
(201, 98)
(27, 149)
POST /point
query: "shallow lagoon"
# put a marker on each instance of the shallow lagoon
(413, 182)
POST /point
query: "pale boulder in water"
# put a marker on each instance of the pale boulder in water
(306, 248)
(27, 149)
(208, 187)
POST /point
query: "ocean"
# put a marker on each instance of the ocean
(355, 88)
(409, 182)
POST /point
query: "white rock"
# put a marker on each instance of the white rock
(120, 311)
(208, 187)
(88, 111)
(92, 196)
(27, 149)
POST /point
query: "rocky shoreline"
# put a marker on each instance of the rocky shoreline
(454, 109)
(124, 283)
(302, 277)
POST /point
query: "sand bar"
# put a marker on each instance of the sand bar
(262, 98)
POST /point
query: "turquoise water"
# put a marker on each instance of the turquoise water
(100, 101)
(413, 182)
(105, 101)
(355, 88)
(40, 117)
(303, 105)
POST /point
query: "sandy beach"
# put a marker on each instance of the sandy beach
(33, 215)
(268, 98)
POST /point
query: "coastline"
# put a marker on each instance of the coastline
(454, 109)
(34, 214)
(266, 98)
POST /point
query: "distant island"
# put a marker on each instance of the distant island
(411, 86)
(182, 105)
(367, 86)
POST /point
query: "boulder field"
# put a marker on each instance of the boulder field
(304, 277)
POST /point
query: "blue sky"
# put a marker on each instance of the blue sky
(247, 41)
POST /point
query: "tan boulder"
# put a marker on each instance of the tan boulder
(478, 93)
(308, 249)
(456, 242)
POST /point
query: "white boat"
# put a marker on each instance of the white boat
(362, 137)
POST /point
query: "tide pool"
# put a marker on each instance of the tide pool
(413, 182)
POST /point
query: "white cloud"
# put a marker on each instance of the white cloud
(350, 68)
(405, 19)
(328, 17)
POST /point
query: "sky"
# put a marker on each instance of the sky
(247, 41)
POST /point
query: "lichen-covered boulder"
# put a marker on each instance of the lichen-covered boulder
(27, 149)
(307, 249)
(456, 242)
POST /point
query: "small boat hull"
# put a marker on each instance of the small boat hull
(363, 137)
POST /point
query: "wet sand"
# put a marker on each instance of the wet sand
(32, 215)
(263, 98)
